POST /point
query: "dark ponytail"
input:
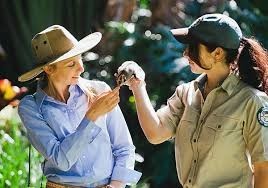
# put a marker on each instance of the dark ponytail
(253, 64)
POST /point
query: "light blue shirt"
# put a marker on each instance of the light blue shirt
(78, 151)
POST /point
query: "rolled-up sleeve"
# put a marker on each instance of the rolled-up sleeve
(62, 153)
(256, 128)
(170, 114)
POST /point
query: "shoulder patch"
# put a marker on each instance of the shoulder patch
(262, 116)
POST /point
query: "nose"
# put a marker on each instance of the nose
(80, 66)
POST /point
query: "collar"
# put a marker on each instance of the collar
(41, 95)
(200, 81)
(228, 85)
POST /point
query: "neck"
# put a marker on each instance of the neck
(215, 78)
(57, 91)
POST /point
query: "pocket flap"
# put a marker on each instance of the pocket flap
(219, 123)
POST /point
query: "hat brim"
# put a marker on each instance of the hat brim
(182, 35)
(82, 46)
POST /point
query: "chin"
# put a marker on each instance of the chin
(74, 82)
(197, 72)
(196, 69)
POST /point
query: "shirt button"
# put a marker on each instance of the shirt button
(92, 130)
(219, 126)
(195, 161)
(84, 156)
(194, 140)
(189, 180)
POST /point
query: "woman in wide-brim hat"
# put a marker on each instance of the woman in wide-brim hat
(76, 124)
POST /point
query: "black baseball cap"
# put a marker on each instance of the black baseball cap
(215, 29)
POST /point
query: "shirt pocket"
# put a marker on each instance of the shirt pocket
(228, 139)
(187, 126)
(223, 124)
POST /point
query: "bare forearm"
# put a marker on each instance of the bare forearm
(260, 182)
(149, 121)
(148, 118)
(261, 175)
(117, 184)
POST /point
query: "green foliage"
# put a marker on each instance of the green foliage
(14, 153)
(144, 3)
(251, 19)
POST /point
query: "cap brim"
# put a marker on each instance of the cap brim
(82, 46)
(181, 35)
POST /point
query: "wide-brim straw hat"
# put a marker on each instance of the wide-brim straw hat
(56, 44)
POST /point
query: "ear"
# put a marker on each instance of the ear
(49, 69)
(219, 54)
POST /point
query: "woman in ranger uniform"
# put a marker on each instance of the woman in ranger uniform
(219, 121)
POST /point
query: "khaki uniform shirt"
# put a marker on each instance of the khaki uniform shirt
(218, 139)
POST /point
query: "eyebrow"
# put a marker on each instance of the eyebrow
(73, 59)
(69, 62)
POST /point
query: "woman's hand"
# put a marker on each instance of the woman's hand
(133, 74)
(115, 184)
(103, 104)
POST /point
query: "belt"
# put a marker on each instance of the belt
(51, 184)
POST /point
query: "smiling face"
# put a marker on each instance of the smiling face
(66, 72)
